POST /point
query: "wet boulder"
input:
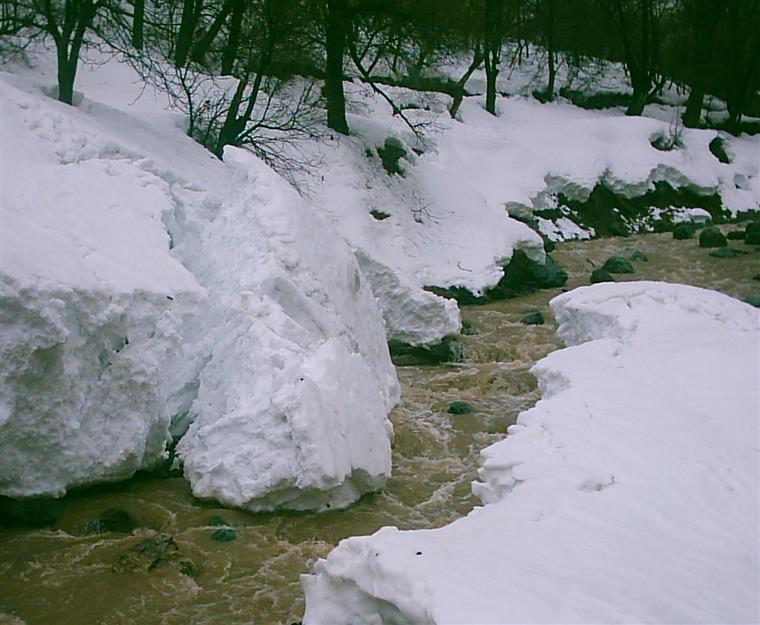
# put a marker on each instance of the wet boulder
(601, 275)
(753, 300)
(112, 520)
(718, 150)
(683, 231)
(157, 552)
(726, 252)
(224, 535)
(736, 235)
(712, 237)
(523, 275)
(618, 264)
(533, 318)
(638, 255)
(752, 233)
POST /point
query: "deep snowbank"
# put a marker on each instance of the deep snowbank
(92, 305)
(149, 287)
(443, 222)
(629, 493)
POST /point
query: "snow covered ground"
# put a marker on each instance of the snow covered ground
(148, 287)
(629, 493)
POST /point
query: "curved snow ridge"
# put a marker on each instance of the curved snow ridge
(629, 493)
(292, 406)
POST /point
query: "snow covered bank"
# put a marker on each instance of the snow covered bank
(444, 221)
(629, 493)
(148, 287)
(92, 305)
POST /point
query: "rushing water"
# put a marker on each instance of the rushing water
(170, 570)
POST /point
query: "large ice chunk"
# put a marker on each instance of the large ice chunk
(92, 302)
(292, 405)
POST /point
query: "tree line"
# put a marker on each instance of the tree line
(230, 63)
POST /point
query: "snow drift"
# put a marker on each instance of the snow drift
(148, 288)
(629, 493)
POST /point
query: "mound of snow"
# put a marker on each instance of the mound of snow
(629, 493)
(292, 403)
(149, 288)
(92, 306)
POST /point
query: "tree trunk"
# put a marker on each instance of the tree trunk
(66, 75)
(638, 102)
(693, 111)
(186, 31)
(549, 94)
(138, 25)
(233, 42)
(491, 74)
(337, 27)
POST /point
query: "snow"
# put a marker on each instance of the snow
(92, 305)
(629, 493)
(149, 289)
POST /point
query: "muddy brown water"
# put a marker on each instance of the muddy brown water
(170, 570)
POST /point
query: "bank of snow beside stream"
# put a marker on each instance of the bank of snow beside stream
(629, 493)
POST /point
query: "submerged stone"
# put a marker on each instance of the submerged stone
(753, 300)
(618, 264)
(113, 520)
(638, 255)
(460, 407)
(448, 350)
(224, 535)
(468, 329)
(726, 252)
(736, 235)
(600, 275)
(712, 237)
(533, 318)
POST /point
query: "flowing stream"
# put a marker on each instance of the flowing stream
(170, 570)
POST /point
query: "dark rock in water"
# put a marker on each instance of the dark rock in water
(460, 407)
(718, 150)
(468, 329)
(753, 300)
(726, 252)
(448, 350)
(752, 233)
(224, 535)
(159, 551)
(600, 275)
(522, 275)
(113, 520)
(638, 255)
(32, 512)
(683, 231)
(618, 264)
(549, 245)
(756, 277)
(736, 235)
(712, 237)
(390, 154)
(534, 318)
(218, 520)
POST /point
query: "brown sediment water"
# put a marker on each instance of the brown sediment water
(170, 570)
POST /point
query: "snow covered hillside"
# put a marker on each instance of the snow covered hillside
(146, 286)
(440, 221)
(629, 493)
